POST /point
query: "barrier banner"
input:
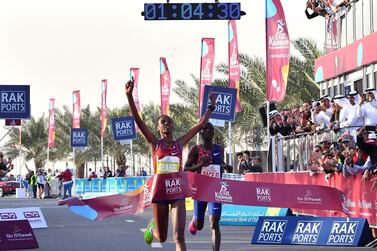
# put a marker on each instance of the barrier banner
(293, 230)
(102, 207)
(33, 214)
(265, 194)
(236, 215)
(185, 184)
(359, 196)
(16, 234)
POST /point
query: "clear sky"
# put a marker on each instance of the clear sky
(60, 46)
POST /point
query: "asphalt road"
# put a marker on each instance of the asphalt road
(67, 231)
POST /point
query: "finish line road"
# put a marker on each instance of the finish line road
(68, 231)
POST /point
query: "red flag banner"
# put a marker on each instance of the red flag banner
(134, 75)
(76, 109)
(233, 61)
(277, 51)
(206, 66)
(103, 106)
(51, 123)
(204, 188)
(165, 83)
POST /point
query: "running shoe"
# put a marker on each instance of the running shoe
(191, 227)
(148, 236)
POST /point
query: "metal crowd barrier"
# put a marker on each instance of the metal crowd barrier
(112, 185)
(291, 153)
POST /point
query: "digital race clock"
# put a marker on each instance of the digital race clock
(192, 11)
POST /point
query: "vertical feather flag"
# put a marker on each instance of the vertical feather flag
(233, 61)
(51, 123)
(206, 66)
(277, 51)
(103, 106)
(165, 83)
(76, 109)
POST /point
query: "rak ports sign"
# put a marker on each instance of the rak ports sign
(14, 101)
(292, 230)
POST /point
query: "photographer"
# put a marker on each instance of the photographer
(367, 142)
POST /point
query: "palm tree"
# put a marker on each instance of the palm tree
(33, 143)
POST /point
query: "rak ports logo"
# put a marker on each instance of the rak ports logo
(263, 194)
(173, 186)
(8, 216)
(224, 195)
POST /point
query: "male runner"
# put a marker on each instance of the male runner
(207, 159)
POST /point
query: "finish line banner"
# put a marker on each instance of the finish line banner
(186, 184)
(293, 230)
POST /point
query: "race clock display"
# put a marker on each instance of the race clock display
(192, 11)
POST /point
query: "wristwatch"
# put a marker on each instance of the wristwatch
(211, 107)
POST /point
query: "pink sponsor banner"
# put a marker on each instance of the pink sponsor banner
(51, 123)
(103, 106)
(349, 58)
(206, 66)
(186, 184)
(165, 83)
(233, 61)
(359, 194)
(277, 51)
(265, 194)
(17, 234)
(76, 109)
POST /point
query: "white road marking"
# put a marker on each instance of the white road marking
(131, 221)
(156, 245)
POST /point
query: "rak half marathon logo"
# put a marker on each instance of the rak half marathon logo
(147, 194)
(224, 195)
(280, 40)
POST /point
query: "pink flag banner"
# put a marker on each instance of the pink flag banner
(206, 66)
(103, 106)
(233, 61)
(277, 51)
(76, 109)
(51, 123)
(204, 188)
(165, 83)
(134, 75)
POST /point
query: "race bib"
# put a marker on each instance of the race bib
(168, 164)
(211, 170)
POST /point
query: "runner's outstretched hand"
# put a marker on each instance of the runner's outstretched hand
(129, 87)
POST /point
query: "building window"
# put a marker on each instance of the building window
(359, 19)
(341, 89)
(349, 18)
(375, 79)
(358, 86)
(367, 18)
(343, 31)
(374, 13)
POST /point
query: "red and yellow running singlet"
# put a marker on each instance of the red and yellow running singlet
(167, 159)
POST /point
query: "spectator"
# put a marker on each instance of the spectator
(66, 177)
(366, 141)
(41, 182)
(92, 175)
(143, 172)
(4, 166)
(107, 173)
(353, 120)
(326, 105)
(121, 171)
(33, 184)
(242, 165)
(314, 164)
(256, 165)
(247, 158)
(368, 107)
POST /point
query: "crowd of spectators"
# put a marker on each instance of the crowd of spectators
(351, 118)
(247, 164)
(325, 8)
(341, 113)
